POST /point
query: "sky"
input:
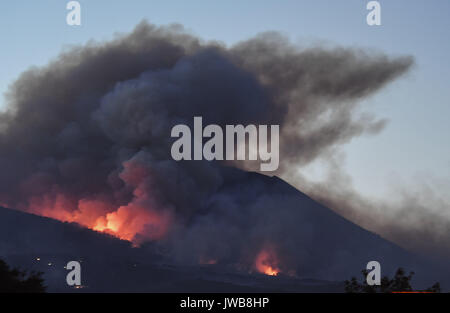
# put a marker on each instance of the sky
(415, 143)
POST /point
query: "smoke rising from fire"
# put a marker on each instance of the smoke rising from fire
(86, 138)
(414, 215)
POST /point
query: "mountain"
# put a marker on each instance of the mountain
(324, 247)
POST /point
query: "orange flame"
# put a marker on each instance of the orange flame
(267, 263)
(125, 222)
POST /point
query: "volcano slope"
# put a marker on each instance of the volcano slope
(312, 248)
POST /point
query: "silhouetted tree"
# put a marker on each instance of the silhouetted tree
(435, 288)
(14, 280)
(400, 282)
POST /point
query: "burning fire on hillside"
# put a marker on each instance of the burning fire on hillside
(267, 262)
(126, 221)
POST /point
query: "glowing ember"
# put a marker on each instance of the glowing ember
(266, 263)
(207, 261)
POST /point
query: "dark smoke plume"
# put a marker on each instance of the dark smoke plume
(86, 138)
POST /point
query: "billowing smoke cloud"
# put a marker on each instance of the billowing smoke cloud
(86, 138)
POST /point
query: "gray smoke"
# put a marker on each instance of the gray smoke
(415, 216)
(89, 134)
